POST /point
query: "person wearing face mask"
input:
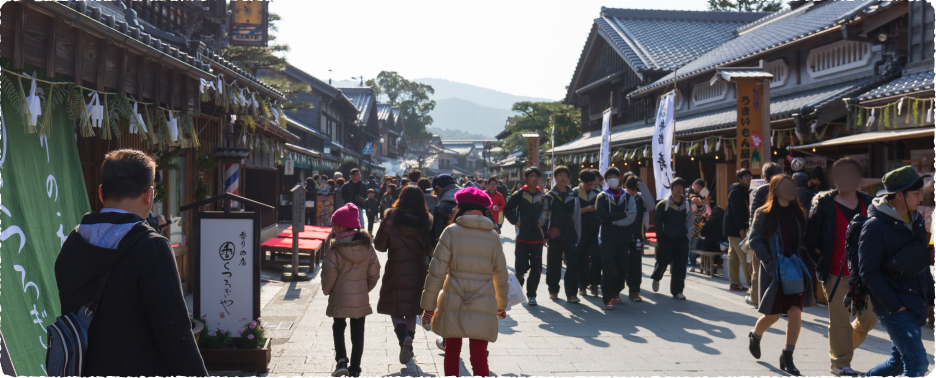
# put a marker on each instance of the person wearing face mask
(673, 223)
(617, 211)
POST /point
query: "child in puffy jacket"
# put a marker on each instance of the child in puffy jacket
(350, 270)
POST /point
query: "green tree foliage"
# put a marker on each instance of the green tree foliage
(252, 58)
(412, 98)
(541, 118)
(745, 5)
(289, 88)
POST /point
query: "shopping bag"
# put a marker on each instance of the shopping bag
(515, 293)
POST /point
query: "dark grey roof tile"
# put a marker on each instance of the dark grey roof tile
(913, 83)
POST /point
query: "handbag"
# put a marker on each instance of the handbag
(791, 271)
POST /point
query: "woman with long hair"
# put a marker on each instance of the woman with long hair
(517, 186)
(778, 229)
(404, 234)
(388, 196)
(470, 262)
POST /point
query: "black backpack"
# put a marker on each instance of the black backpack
(856, 299)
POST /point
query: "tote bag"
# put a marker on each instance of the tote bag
(515, 294)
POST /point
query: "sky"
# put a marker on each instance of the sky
(521, 47)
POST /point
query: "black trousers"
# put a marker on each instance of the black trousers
(559, 251)
(357, 341)
(529, 257)
(676, 254)
(613, 269)
(634, 265)
(370, 224)
(589, 262)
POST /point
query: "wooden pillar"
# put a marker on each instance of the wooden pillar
(722, 177)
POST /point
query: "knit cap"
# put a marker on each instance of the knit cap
(346, 216)
(474, 196)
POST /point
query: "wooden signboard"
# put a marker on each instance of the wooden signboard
(533, 141)
(751, 150)
(325, 207)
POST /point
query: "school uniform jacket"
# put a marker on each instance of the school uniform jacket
(563, 214)
(616, 216)
(589, 223)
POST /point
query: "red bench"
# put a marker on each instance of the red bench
(318, 235)
(284, 245)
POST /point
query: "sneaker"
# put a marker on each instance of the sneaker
(655, 286)
(573, 300)
(593, 289)
(679, 296)
(692, 269)
(440, 342)
(617, 298)
(354, 372)
(553, 296)
(844, 372)
(634, 297)
(747, 299)
(406, 350)
(609, 305)
(341, 370)
(532, 301)
(737, 288)
(583, 292)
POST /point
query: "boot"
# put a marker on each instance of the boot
(406, 343)
(401, 332)
(354, 372)
(341, 370)
(786, 363)
(754, 345)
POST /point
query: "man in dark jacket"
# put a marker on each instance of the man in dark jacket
(825, 240)
(617, 211)
(803, 193)
(673, 224)
(635, 252)
(141, 326)
(895, 235)
(445, 188)
(563, 219)
(589, 253)
(355, 192)
(372, 184)
(758, 199)
(502, 189)
(735, 225)
(524, 209)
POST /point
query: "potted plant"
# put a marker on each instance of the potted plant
(250, 350)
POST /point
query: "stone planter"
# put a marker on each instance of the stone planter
(236, 358)
(197, 328)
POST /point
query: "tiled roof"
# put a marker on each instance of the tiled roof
(383, 111)
(395, 110)
(771, 32)
(314, 82)
(660, 39)
(302, 126)
(913, 83)
(781, 107)
(459, 148)
(362, 98)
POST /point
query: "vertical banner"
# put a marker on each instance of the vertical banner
(43, 199)
(662, 144)
(605, 156)
(533, 152)
(227, 273)
(749, 153)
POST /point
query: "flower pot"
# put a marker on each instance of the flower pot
(197, 328)
(239, 358)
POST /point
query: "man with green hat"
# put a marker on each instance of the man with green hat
(894, 263)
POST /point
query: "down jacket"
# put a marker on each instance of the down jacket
(820, 230)
(406, 237)
(469, 269)
(350, 270)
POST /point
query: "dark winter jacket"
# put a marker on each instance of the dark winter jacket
(765, 248)
(372, 184)
(758, 199)
(805, 197)
(589, 222)
(503, 191)
(617, 217)
(443, 211)
(526, 208)
(637, 226)
(736, 212)
(673, 223)
(562, 212)
(354, 193)
(712, 232)
(405, 237)
(820, 230)
(883, 235)
(372, 207)
(141, 326)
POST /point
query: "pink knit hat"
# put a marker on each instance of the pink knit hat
(347, 216)
(474, 196)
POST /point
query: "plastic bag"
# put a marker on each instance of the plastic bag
(515, 295)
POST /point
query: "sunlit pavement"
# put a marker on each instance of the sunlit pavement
(705, 335)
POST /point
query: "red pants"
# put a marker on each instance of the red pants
(478, 350)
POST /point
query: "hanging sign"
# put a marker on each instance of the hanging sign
(533, 149)
(289, 167)
(751, 108)
(251, 23)
(605, 155)
(662, 145)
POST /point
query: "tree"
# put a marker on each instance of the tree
(541, 118)
(253, 58)
(422, 153)
(413, 100)
(289, 88)
(745, 5)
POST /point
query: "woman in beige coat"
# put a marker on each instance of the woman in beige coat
(350, 270)
(469, 268)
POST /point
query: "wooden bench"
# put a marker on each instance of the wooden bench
(283, 245)
(708, 265)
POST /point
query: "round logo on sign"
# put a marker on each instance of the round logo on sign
(226, 251)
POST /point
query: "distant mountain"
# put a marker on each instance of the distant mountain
(445, 89)
(447, 134)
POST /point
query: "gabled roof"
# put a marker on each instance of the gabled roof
(317, 84)
(383, 111)
(774, 31)
(363, 98)
(459, 148)
(914, 83)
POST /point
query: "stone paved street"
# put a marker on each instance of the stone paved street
(703, 336)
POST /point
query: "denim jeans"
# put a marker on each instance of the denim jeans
(693, 257)
(908, 356)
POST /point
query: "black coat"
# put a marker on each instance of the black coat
(713, 233)
(442, 213)
(561, 211)
(141, 326)
(820, 230)
(805, 197)
(355, 193)
(882, 236)
(526, 208)
(590, 222)
(736, 212)
(617, 217)
(758, 199)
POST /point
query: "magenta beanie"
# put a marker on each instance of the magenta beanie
(347, 216)
(473, 196)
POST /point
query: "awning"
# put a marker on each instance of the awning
(304, 151)
(875, 136)
(730, 73)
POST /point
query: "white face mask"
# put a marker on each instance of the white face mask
(612, 183)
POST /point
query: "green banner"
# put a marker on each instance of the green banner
(42, 198)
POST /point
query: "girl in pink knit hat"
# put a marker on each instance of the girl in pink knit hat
(350, 270)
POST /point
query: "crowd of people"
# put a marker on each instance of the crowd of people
(446, 268)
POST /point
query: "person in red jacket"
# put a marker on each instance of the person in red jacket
(497, 202)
